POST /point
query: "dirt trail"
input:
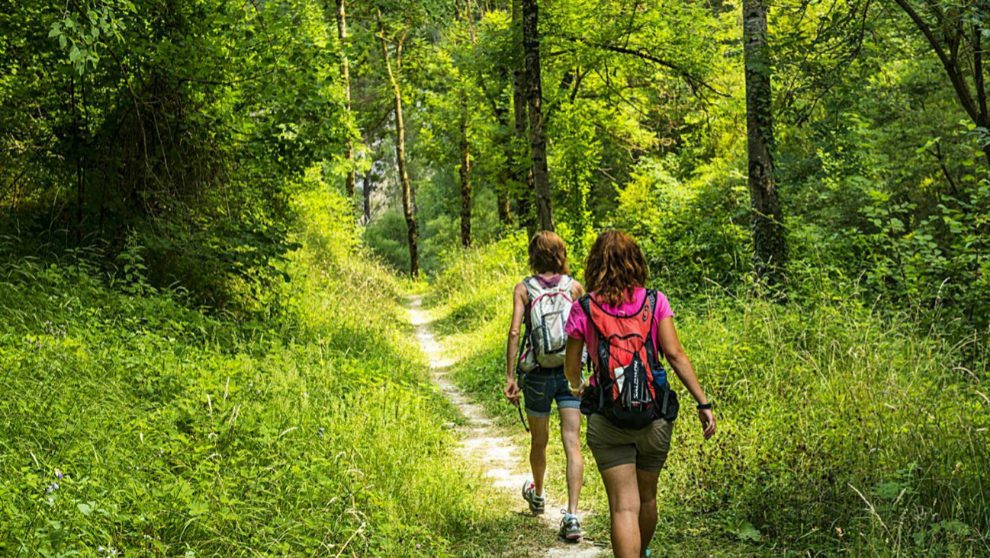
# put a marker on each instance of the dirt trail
(482, 443)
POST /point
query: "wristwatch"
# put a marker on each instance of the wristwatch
(704, 406)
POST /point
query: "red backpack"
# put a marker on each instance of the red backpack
(628, 383)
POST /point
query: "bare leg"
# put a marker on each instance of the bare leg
(623, 505)
(647, 482)
(538, 429)
(570, 434)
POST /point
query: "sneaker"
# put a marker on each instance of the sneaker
(537, 503)
(570, 527)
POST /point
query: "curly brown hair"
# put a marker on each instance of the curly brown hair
(615, 266)
(547, 253)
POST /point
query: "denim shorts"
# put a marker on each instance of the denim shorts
(542, 387)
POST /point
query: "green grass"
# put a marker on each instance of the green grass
(316, 431)
(841, 431)
(172, 432)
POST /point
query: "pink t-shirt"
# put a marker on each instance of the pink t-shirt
(577, 322)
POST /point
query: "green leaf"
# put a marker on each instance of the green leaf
(955, 527)
(198, 508)
(745, 531)
(889, 490)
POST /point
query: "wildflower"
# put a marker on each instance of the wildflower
(51, 488)
(59, 475)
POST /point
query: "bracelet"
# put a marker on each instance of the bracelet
(704, 406)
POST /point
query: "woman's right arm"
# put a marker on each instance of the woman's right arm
(572, 365)
(519, 297)
(678, 359)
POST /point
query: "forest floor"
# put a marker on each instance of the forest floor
(489, 449)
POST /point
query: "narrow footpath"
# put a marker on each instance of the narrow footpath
(483, 443)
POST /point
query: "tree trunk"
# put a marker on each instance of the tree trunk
(366, 191)
(521, 164)
(469, 17)
(465, 168)
(408, 199)
(77, 150)
(979, 81)
(465, 172)
(534, 101)
(768, 231)
(506, 183)
(504, 208)
(346, 76)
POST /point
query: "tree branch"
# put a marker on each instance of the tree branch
(499, 113)
(694, 82)
(981, 91)
(949, 63)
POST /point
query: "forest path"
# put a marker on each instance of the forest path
(483, 444)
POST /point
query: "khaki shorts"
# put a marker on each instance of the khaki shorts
(613, 446)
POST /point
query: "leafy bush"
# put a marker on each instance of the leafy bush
(692, 232)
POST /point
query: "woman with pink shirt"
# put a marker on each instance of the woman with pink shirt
(629, 403)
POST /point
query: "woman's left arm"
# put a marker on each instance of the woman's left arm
(678, 359)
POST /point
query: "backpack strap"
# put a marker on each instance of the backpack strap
(596, 362)
(533, 287)
(599, 361)
(585, 302)
(651, 347)
(653, 350)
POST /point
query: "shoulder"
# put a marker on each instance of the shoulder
(663, 309)
(577, 321)
(577, 289)
(578, 305)
(520, 290)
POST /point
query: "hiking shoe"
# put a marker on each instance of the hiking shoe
(570, 527)
(537, 503)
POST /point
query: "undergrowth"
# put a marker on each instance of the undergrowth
(132, 424)
(840, 430)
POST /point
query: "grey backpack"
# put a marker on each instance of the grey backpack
(548, 311)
